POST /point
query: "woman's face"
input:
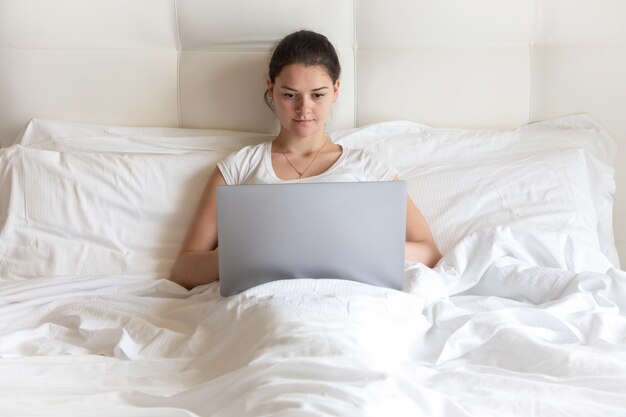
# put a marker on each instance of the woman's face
(303, 96)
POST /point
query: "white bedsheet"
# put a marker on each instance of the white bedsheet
(502, 327)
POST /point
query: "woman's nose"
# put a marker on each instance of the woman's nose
(303, 104)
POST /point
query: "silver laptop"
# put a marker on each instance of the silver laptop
(338, 230)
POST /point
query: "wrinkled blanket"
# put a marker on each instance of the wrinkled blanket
(510, 323)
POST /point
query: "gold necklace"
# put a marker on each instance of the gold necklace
(300, 174)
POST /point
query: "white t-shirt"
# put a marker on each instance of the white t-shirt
(253, 165)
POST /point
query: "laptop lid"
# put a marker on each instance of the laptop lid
(339, 230)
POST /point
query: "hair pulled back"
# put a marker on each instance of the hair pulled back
(307, 48)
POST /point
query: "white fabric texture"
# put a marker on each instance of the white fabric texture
(253, 165)
(74, 207)
(500, 327)
(82, 137)
(524, 315)
(93, 213)
(554, 175)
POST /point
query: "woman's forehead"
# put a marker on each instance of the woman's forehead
(305, 75)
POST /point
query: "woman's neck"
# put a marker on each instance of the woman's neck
(299, 145)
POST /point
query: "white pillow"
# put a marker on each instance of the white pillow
(83, 206)
(545, 192)
(95, 213)
(553, 175)
(79, 137)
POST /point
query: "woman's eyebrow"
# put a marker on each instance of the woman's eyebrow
(284, 87)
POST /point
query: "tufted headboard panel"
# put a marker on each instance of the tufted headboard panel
(199, 63)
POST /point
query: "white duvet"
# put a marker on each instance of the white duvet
(496, 329)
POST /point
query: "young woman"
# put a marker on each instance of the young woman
(302, 84)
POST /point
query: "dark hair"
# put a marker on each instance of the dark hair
(307, 48)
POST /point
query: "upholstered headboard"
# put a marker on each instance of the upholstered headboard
(200, 63)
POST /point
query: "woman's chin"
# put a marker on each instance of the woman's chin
(308, 128)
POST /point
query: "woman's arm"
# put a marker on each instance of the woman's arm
(420, 245)
(197, 261)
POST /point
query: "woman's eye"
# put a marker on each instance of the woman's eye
(318, 95)
(289, 95)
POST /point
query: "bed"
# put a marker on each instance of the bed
(504, 118)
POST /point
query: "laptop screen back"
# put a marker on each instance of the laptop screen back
(345, 230)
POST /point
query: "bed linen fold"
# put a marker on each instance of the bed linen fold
(495, 329)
